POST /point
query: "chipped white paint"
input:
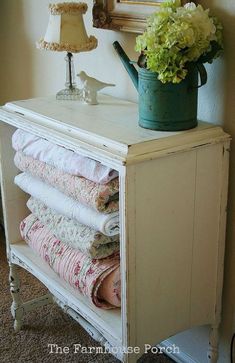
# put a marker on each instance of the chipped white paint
(173, 195)
(16, 306)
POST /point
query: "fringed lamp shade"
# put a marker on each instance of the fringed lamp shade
(66, 32)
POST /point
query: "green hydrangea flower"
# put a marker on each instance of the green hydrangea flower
(177, 35)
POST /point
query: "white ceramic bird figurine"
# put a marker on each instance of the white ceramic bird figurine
(91, 86)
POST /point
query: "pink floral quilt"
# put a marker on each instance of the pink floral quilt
(101, 197)
(89, 276)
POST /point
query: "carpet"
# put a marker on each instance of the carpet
(43, 326)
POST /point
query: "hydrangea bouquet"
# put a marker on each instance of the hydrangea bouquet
(176, 36)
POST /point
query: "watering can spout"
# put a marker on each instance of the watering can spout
(126, 62)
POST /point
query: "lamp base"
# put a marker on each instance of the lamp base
(70, 94)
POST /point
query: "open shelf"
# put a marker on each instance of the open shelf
(109, 322)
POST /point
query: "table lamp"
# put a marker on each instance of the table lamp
(66, 32)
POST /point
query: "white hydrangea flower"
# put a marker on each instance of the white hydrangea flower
(177, 35)
(190, 6)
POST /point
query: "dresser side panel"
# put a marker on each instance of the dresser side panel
(208, 249)
(160, 274)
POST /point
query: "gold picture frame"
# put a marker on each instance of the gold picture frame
(124, 15)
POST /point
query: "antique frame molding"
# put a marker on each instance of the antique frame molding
(123, 16)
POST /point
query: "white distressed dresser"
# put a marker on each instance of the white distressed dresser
(173, 195)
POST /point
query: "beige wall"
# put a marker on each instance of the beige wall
(27, 72)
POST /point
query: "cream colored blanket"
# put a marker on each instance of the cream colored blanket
(74, 234)
(107, 224)
(101, 197)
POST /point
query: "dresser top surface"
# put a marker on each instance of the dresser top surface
(112, 123)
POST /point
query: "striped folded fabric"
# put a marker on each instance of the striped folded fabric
(84, 274)
(74, 234)
(101, 197)
(64, 159)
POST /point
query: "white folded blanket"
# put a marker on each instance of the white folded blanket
(107, 224)
(74, 234)
(101, 197)
(61, 158)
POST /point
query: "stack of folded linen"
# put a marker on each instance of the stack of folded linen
(74, 220)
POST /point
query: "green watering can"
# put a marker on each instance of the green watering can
(165, 107)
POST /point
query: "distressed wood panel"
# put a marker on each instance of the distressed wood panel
(206, 234)
(164, 212)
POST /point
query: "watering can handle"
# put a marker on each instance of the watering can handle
(203, 75)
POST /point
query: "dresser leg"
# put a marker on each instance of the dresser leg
(17, 306)
(213, 350)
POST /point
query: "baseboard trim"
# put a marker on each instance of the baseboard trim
(180, 357)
